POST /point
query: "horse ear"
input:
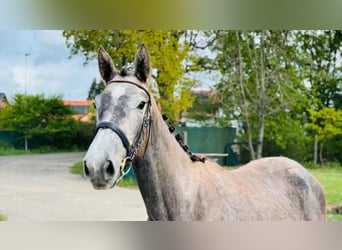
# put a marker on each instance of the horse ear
(106, 65)
(142, 63)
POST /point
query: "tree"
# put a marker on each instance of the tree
(321, 67)
(260, 80)
(95, 89)
(37, 116)
(169, 52)
(326, 123)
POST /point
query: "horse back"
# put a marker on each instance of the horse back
(290, 181)
(274, 188)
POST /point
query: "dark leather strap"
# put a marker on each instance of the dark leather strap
(133, 83)
(117, 130)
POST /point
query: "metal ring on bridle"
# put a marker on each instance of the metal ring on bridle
(127, 161)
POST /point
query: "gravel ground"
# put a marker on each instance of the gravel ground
(40, 188)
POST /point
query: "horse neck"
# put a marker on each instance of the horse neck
(164, 171)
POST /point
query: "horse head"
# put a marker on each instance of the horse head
(122, 120)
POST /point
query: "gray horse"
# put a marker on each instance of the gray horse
(130, 131)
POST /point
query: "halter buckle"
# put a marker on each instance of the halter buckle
(123, 170)
(123, 166)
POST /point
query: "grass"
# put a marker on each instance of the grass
(3, 218)
(128, 182)
(331, 180)
(11, 151)
(334, 217)
(77, 168)
(6, 151)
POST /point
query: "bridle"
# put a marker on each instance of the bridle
(131, 149)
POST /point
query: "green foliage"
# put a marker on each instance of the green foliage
(3, 218)
(47, 120)
(312, 165)
(95, 89)
(285, 134)
(260, 80)
(271, 79)
(204, 107)
(326, 123)
(320, 66)
(284, 131)
(4, 144)
(169, 51)
(320, 52)
(333, 149)
(83, 134)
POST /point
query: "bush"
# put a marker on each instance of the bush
(4, 144)
(83, 134)
(333, 149)
(312, 165)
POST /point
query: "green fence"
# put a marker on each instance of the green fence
(209, 140)
(8, 139)
(206, 140)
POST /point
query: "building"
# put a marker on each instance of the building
(81, 109)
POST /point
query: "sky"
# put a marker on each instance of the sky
(49, 70)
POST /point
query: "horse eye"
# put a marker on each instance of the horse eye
(141, 105)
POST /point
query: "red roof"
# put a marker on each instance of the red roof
(78, 103)
(83, 116)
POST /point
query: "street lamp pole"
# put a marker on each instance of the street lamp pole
(26, 55)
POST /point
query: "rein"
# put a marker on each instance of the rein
(131, 149)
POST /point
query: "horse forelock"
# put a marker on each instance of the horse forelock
(125, 72)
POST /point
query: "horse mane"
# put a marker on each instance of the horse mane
(180, 141)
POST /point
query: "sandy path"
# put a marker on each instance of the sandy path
(40, 188)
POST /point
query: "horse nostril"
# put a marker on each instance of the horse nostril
(86, 170)
(109, 170)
